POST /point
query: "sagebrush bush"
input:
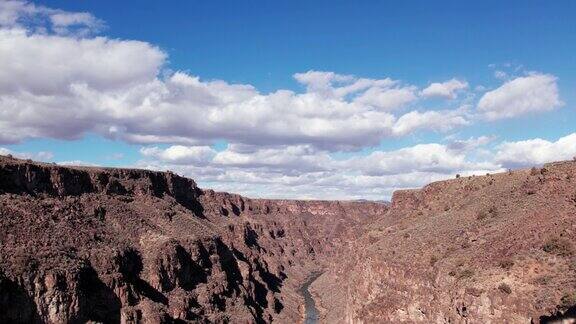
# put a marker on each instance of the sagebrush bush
(558, 246)
(466, 274)
(505, 288)
(568, 300)
(506, 264)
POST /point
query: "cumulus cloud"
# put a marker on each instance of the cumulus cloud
(178, 154)
(48, 65)
(289, 159)
(535, 92)
(307, 172)
(446, 89)
(113, 87)
(304, 171)
(40, 19)
(62, 85)
(387, 98)
(439, 120)
(470, 143)
(434, 158)
(536, 151)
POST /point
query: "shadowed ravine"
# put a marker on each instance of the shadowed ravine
(311, 314)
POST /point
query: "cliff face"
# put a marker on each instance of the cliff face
(133, 246)
(491, 249)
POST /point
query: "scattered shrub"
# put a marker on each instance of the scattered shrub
(466, 274)
(572, 266)
(542, 280)
(568, 300)
(485, 213)
(505, 288)
(452, 273)
(433, 260)
(506, 264)
(558, 246)
(534, 171)
(457, 176)
(100, 213)
(481, 215)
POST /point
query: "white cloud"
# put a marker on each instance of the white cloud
(331, 84)
(501, 75)
(178, 154)
(438, 120)
(77, 163)
(305, 172)
(470, 143)
(112, 87)
(433, 158)
(25, 15)
(535, 92)
(536, 151)
(62, 85)
(288, 159)
(49, 65)
(447, 89)
(387, 98)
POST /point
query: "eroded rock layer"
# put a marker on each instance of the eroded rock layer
(491, 249)
(135, 246)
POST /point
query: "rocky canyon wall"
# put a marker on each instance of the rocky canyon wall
(135, 246)
(490, 249)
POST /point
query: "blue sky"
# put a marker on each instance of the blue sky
(510, 103)
(264, 42)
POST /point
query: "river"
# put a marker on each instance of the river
(312, 314)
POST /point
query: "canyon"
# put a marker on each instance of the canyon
(105, 245)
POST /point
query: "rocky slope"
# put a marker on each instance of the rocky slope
(135, 246)
(492, 249)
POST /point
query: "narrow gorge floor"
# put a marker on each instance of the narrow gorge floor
(311, 313)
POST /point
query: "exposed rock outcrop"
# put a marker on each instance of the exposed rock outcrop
(492, 249)
(134, 246)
